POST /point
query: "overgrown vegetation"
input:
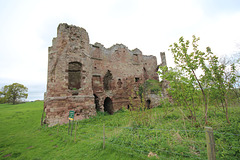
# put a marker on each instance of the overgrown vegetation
(212, 87)
(167, 136)
(150, 86)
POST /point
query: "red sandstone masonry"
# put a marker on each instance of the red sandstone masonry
(128, 68)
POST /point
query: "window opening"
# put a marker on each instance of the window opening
(74, 75)
(119, 83)
(107, 80)
(136, 79)
(96, 101)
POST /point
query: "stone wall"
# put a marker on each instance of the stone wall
(85, 77)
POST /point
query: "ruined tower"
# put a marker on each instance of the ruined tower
(86, 78)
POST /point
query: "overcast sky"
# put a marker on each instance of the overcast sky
(27, 29)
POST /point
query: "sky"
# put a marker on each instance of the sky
(27, 28)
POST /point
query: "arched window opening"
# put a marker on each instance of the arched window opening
(74, 75)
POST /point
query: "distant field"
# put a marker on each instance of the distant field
(168, 135)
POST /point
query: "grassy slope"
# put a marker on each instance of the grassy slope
(22, 137)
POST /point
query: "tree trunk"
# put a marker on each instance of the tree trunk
(14, 100)
(204, 97)
(222, 105)
(194, 113)
(226, 105)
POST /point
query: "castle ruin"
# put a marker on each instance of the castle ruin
(86, 78)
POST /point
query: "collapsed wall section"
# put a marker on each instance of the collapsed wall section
(127, 69)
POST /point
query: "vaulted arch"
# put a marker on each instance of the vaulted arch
(108, 105)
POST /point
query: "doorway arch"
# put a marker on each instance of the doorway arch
(96, 101)
(108, 105)
(148, 103)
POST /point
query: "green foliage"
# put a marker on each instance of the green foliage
(182, 90)
(2, 98)
(154, 86)
(151, 86)
(219, 81)
(137, 109)
(191, 91)
(13, 93)
(189, 63)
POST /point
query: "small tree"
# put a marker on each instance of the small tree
(222, 81)
(232, 62)
(14, 92)
(182, 89)
(191, 62)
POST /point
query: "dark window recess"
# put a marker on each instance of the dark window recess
(148, 103)
(74, 75)
(95, 46)
(135, 58)
(96, 101)
(119, 83)
(107, 80)
(136, 79)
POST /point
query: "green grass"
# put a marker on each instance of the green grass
(129, 135)
(22, 137)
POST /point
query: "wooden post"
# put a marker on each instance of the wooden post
(42, 115)
(75, 131)
(210, 143)
(58, 127)
(103, 136)
(72, 126)
(68, 126)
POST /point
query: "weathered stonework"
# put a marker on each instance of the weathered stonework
(85, 77)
